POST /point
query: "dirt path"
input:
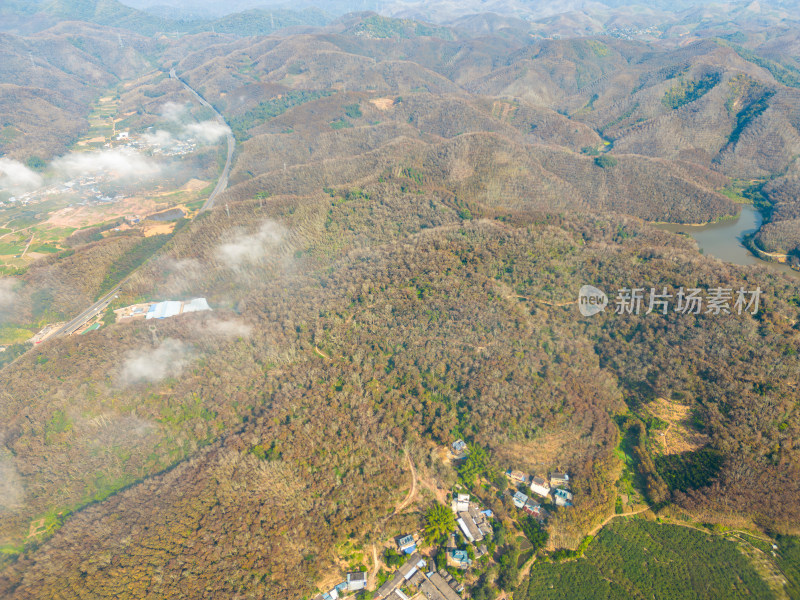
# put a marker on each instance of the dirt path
(412, 492)
(13, 231)
(615, 516)
(769, 570)
(374, 575)
(321, 353)
(549, 303)
(24, 252)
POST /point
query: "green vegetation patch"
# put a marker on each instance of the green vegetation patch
(13, 335)
(476, 465)
(788, 557)
(271, 109)
(133, 259)
(689, 470)
(536, 535)
(623, 117)
(12, 352)
(341, 124)
(788, 75)
(353, 111)
(641, 559)
(686, 92)
(7, 248)
(605, 161)
(749, 114)
(45, 248)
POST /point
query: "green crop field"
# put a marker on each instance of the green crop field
(633, 558)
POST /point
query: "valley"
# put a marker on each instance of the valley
(369, 233)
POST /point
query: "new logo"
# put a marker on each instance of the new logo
(591, 300)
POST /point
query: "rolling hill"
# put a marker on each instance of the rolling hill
(412, 209)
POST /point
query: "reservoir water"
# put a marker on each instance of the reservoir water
(724, 239)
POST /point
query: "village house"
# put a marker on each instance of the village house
(520, 499)
(406, 544)
(481, 519)
(562, 497)
(331, 595)
(460, 503)
(404, 574)
(518, 477)
(535, 510)
(459, 449)
(468, 527)
(457, 587)
(540, 487)
(474, 523)
(435, 587)
(459, 559)
(356, 581)
(559, 480)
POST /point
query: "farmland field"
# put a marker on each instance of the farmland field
(640, 559)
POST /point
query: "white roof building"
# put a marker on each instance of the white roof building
(464, 529)
(173, 308)
(164, 310)
(540, 486)
(196, 305)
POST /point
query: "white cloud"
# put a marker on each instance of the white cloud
(207, 131)
(122, 162)
(230, 328)
(7, 298)
(160, 138)
(7, 295)
(150, 365)
(172, 111)
(251, 248)
(16, 178)
(12, 494)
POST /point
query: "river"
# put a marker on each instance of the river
(724, 239)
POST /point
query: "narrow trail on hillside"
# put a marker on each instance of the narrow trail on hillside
(373, 576)
(412, 492)
(615, 516)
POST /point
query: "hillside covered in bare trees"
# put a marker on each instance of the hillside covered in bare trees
(394, 266)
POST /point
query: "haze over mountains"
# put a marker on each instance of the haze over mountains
(414, 202)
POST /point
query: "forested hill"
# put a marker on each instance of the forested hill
(394, 266)
(27, 17)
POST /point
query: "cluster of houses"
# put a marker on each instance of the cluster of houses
(556, 488)
(159, 142)
(460, 559)
(471, 520)
(355, 582)
(83, 190)
(412, 577)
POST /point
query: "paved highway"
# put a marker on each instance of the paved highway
(222, 182)
(90, 313)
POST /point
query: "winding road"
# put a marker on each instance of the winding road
(99, 306)
(222, 182)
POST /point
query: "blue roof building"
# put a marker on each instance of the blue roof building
(460, 558)
(407, 544)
